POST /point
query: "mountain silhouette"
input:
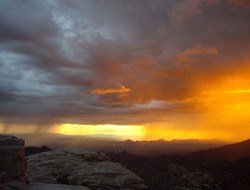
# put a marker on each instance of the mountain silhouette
(231, 152)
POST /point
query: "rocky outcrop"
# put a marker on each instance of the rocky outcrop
(46, 186)
(14, 185)
(12, 163)
(35, 150)
(81, 167)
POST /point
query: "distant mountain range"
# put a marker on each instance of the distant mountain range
(146, 148)
(223, 168)
(230, 152)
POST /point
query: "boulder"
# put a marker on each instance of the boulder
(81, 167)
(13, 166)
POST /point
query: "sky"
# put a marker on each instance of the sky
(145, 69)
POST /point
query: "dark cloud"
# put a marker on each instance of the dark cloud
(111, 61)
(241, 3)
(25, 21)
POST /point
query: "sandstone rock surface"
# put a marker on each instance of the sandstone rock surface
(81, 167)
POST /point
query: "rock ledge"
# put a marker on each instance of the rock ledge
(81, 167)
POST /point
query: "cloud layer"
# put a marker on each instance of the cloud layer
(97, 62)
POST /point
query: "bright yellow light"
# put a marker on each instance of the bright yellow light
(172, 134)
(226, 108)
(241, 91)
(121, 131)
(222, 112)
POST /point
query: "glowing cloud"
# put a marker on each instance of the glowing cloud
(156, 104)
(239, 91)
(101, 91)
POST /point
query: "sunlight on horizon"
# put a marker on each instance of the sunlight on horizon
(135, 132)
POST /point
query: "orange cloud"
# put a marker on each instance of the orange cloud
(193, 54)
(101, 91)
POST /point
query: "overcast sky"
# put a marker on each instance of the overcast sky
(120, 62)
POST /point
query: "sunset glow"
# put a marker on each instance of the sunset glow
(142, 70)
(118, 131)
(101, 91)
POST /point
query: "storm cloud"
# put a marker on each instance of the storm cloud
(115, 61)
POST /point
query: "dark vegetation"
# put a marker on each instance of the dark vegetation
(223, 168)
(176, 172)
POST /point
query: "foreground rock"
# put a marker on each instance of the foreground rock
(44, 186)
(81, 167)
(12, 163)
(14, 185)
